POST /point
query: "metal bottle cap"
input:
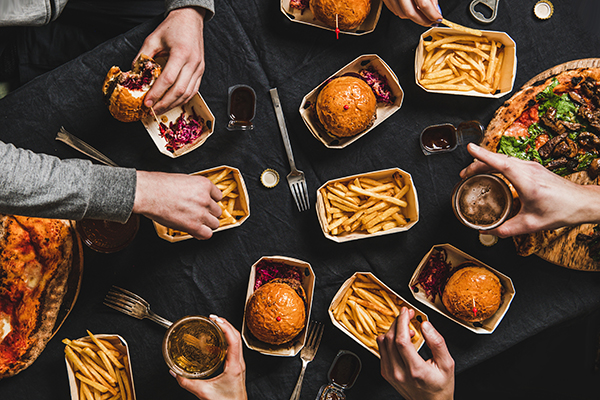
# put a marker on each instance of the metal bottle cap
(543, 9)
(488, 240)
(269, 178)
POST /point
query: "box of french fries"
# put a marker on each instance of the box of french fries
(195, 107)
(364, 308)
(235, 204)
(99, 367)
(383, 111)
(367, 205)
(306, 17)
(452, 61)
(308, 284)
(455, 257)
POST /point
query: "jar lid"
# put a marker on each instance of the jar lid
(269, 178)
(488, 240)
(543, 9)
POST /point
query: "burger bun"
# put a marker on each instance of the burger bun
(350, 13)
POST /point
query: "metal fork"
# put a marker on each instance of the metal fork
(64, 136)
(315, 331)
(133, 305)
(296, 179)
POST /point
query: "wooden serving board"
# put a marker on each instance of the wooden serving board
(564, 250)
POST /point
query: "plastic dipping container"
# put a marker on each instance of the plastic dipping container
(342, 374)
(444, 138)
(108, 236)
(241, 108)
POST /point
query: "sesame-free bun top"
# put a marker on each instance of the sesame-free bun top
(351, 13)
(276, 312)
(472, 287)
(124, 92)
(346, 106)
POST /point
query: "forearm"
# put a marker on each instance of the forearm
(45, 186)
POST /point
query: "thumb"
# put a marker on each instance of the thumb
(437, 345)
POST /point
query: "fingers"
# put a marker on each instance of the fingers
(422, 12)
(404, 345)
(437, 345)
(235, 355)
(430, 9)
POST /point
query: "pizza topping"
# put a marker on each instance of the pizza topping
(5, 327)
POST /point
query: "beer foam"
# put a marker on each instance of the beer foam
(482, 201)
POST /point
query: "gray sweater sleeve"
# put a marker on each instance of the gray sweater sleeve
(45, 186)
(209, 5)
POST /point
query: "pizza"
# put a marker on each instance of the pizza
(35, 260)
(554, 121)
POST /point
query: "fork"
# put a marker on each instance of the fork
(296, 179)
(133, 305)
(64, 136)
(315, 331)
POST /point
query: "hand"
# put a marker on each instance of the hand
(423, 12)
(231, 384)
(548, 201)
(180, 37)
(401, 365)
(183, 202)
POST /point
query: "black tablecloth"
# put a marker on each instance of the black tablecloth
(253, 43)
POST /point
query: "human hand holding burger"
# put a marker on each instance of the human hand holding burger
(401, 365)
(231, 384)
(422, 12)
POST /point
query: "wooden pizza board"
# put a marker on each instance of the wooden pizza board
(564, 250)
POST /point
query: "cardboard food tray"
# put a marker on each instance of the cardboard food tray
(417, 320)
(308, 284)
(244, 199)
(201, 109)
(383, 111)
(507, 74)
(120, 344)
(457, 257)
(306, 17)
(411, 211)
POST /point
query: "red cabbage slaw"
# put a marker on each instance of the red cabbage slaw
(434, 274)
(183, 131)
(299, 4)
(378, 84)
(267, 270)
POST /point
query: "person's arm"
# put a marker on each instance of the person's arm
(401, 365)
(422, 12)
(547, 200)
(180, 38)
(231, 384)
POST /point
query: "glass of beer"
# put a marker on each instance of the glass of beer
(194, 347)
(482, 201)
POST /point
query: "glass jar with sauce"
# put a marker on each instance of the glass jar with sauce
(241, 108)
(194, 347)
(444, 138)
(342, 374)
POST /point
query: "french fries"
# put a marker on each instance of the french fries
(99, 368)
(367, 309)
(462, 62)
(365, 205)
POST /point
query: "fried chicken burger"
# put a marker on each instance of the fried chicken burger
(124, 92)
(350, 13)
(473, 293)
(276, 311)
(346, 106)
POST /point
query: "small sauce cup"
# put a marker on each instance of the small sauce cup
(342, 374)
(482, 202)
(194, 347)
(108, 236)
(241, 108)
(444, 138)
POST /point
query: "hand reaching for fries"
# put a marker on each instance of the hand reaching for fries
(401, 365)
(422, 12)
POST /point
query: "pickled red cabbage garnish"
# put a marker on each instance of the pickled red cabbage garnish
(378, 84)
(266, 271)
(299, 4)
(434, 274)
(183, 131)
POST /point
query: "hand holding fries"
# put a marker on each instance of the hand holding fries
(365, 205)
(462, 62)
(100, 369)
(368, 309)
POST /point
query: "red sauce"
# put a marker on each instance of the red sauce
(439, 137)
(108, 236)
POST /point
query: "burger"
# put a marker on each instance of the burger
(350, 13)
(346, 106)
(124, 92)
(472, 293)
(276, 311)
